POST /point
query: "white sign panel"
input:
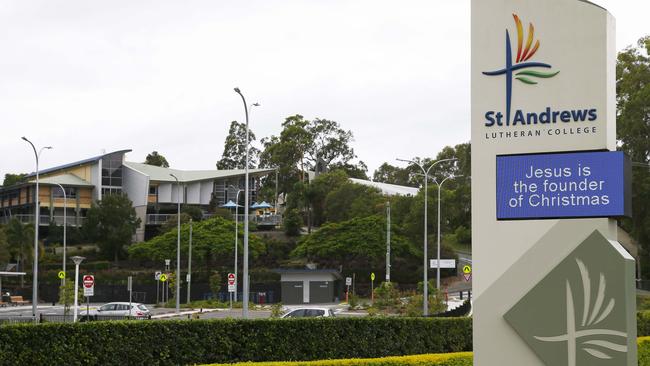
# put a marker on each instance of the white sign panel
(232, 288)
(89, 285)
(542, 80)
(348, 281)
(444, 263)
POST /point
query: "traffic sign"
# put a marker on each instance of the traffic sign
(467, 272)
(89, 285)
(231, 279)
(163, 277)
(348, 281)
(372, 276)
(61, 274)
(156, 275)
(444, 263)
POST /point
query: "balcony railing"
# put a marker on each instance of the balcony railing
(159, 219)
(45, 220)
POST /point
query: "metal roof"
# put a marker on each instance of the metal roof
(76, 163)
(64, 180)
(160, 174)
(335, 272)
(388, 189)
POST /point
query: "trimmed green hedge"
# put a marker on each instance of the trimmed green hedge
(449, 359)
(446, 359)
(206, 341)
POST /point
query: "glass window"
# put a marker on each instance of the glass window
(153, 189)
(107, 307)
(296, 313)
(70, 192)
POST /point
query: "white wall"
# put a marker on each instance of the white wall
(206, 192)
(135, 185)
(306, 278)
(194, 193)
(165, 193)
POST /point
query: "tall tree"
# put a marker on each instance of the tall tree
(391, 174)
(633, 130)
(112, 222)
(20, 238)
(234, 149)
(156, 159)
(5, 255)
(303, 144)
(11, 179)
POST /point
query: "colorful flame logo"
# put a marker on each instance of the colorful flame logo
(521, 62)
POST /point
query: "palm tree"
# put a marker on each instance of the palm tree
(19, 238)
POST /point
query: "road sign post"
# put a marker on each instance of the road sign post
(348, 283)
(372, 287)
(129, 287)
(467, 272)
(89, 290)
(232, 286)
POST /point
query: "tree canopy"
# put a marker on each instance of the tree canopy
(234, 149)
(212, 242)
(633, 130)
(11, 179)
(360, 242)
(156, 159)
(112, 222)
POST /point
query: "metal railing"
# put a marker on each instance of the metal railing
(45, 220)
(262, 219)
(158, 219)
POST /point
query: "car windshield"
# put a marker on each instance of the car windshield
(142, 307)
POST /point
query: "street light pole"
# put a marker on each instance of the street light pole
(77, 261)
(388, 241)
(246, 200)
(37, 214)
(189, 265)
(236, 236)
(178, 246)
(65, 209)
(440, 189)
(425, 284)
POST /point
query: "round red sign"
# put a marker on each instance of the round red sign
(89, 281)
(231, 278)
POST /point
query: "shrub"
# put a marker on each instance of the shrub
(204, 341)
(387, 296)
(450, 359)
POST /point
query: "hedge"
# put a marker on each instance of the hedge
(213, 341)
(450, 359)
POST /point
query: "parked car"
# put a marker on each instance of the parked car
(308, 313)
(119, 309)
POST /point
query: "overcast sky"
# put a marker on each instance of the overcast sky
(89, 76)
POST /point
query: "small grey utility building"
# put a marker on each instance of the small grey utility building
(309, 286)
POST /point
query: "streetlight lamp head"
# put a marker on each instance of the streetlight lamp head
(48, 147)
(77, 259)
(256, 104)
(168, 262)
(24, 138)
(237, 90)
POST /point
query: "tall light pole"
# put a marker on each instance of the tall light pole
(37, 215)
(246, 199)
(178, 246)
(77, 261)
(65, 209)
(439, 189)
(387, 241)
(189, 264)
(236, 235)
(425, 285)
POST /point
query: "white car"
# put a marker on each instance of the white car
(119, 309)
(308, 313)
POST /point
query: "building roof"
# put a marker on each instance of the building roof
(161, 174)
(388, 189)
(64, 180)
(306, 271)
(76, 163)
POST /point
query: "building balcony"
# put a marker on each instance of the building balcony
(263, 220)
(45, 220)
